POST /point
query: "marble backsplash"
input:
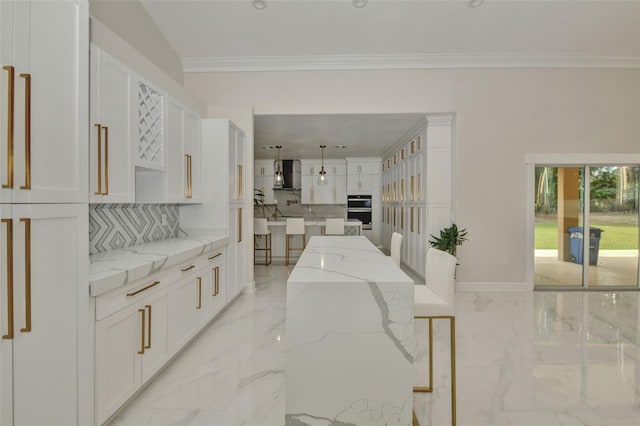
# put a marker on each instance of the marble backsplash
(113, 226)
(288, 204)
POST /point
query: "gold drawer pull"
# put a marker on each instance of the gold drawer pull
(214, 256)
(27, 131)
(27, 273)
(10, 122)
(99, 189)
(199, 293)
(153, 284)
(188, 268)
(149, 328)
(141, 351)
(106, 160)
(9, 223)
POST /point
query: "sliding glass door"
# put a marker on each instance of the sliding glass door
(569, 201)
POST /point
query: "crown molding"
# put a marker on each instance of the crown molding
(390, 62)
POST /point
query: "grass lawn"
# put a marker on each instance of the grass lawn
(614, 237)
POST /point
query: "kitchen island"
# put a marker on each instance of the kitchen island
(349, 336)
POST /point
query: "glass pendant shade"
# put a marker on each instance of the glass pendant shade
(322, 176)
(279, 177)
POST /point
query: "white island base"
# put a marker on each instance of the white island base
(349, 337)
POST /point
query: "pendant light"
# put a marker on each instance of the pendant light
(322, 177)
(279, 181)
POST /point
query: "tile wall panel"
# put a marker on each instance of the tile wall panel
(113, 226)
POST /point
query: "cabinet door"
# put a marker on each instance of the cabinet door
(220, 278)
(193, 148)
(6, 346)
(205, 287)
(110, 163)
(235, 252)
(51, 52)
(157, 350)
(118, 363)
(47, 283)
(176, 183)
(183, 304)
(308, 190)
(341, 189)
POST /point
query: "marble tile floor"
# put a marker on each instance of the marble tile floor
(523, 359)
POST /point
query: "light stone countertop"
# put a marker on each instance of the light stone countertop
(314, 222)
(116, 268)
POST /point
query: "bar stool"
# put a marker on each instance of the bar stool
(334, 226)
(396, 247)
(260, 229)
(294, 226)
(436, 300)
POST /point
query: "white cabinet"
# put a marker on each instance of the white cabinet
(193, 152)
(333, 192)
(184, 154)
(264, 178)
(111, 175)
(183, 308)
(43, 101)
(132, 344)
(212, 289)
(236, 248)
(363, 175)
(42, 351)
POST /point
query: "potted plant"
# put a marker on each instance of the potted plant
(450, 238)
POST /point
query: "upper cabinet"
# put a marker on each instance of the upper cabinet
(264, 178)
(145, 146)
(333, 192)
(237, 141)
(112, 126)
(363, 175)
(43, 101)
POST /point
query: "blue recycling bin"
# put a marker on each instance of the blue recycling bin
(576, 236)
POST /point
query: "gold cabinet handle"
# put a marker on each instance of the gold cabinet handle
(412, 195)
(10, 122)
(27, 131)
(27, 273)
(411, 214)
(214, 256)
(148, 346)
(99, 189)
(141, 351)
(106, 160)
(153, 284)
(418, 219)
(401, 217)
(188, 268)
(199, 293)
(240, 191)
(240, 225)
(9, 223)
(216, 278)
(190, 176)
(187, 175)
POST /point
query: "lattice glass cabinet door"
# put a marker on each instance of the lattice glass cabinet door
(150, 126)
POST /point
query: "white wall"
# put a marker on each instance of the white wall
(130, 20)
(104, 37)
(501, 114)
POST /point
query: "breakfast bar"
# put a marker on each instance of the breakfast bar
(349, 336)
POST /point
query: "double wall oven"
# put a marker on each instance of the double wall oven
(359, 207)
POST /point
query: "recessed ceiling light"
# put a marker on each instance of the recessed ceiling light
(259, 4)
(475, 3)
(268, 147)
(359, 3)
(340, 146)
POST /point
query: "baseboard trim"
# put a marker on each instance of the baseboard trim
(250, 287)
(492, 286)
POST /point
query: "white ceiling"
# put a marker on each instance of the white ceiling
(365, 135)
(232, 35)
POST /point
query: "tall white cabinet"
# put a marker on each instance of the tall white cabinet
(333, 192)
(417, 189)
(45, 365)
(223, 196)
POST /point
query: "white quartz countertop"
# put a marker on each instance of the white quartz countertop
(314, 222)
(344, 259)
(116, 268)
